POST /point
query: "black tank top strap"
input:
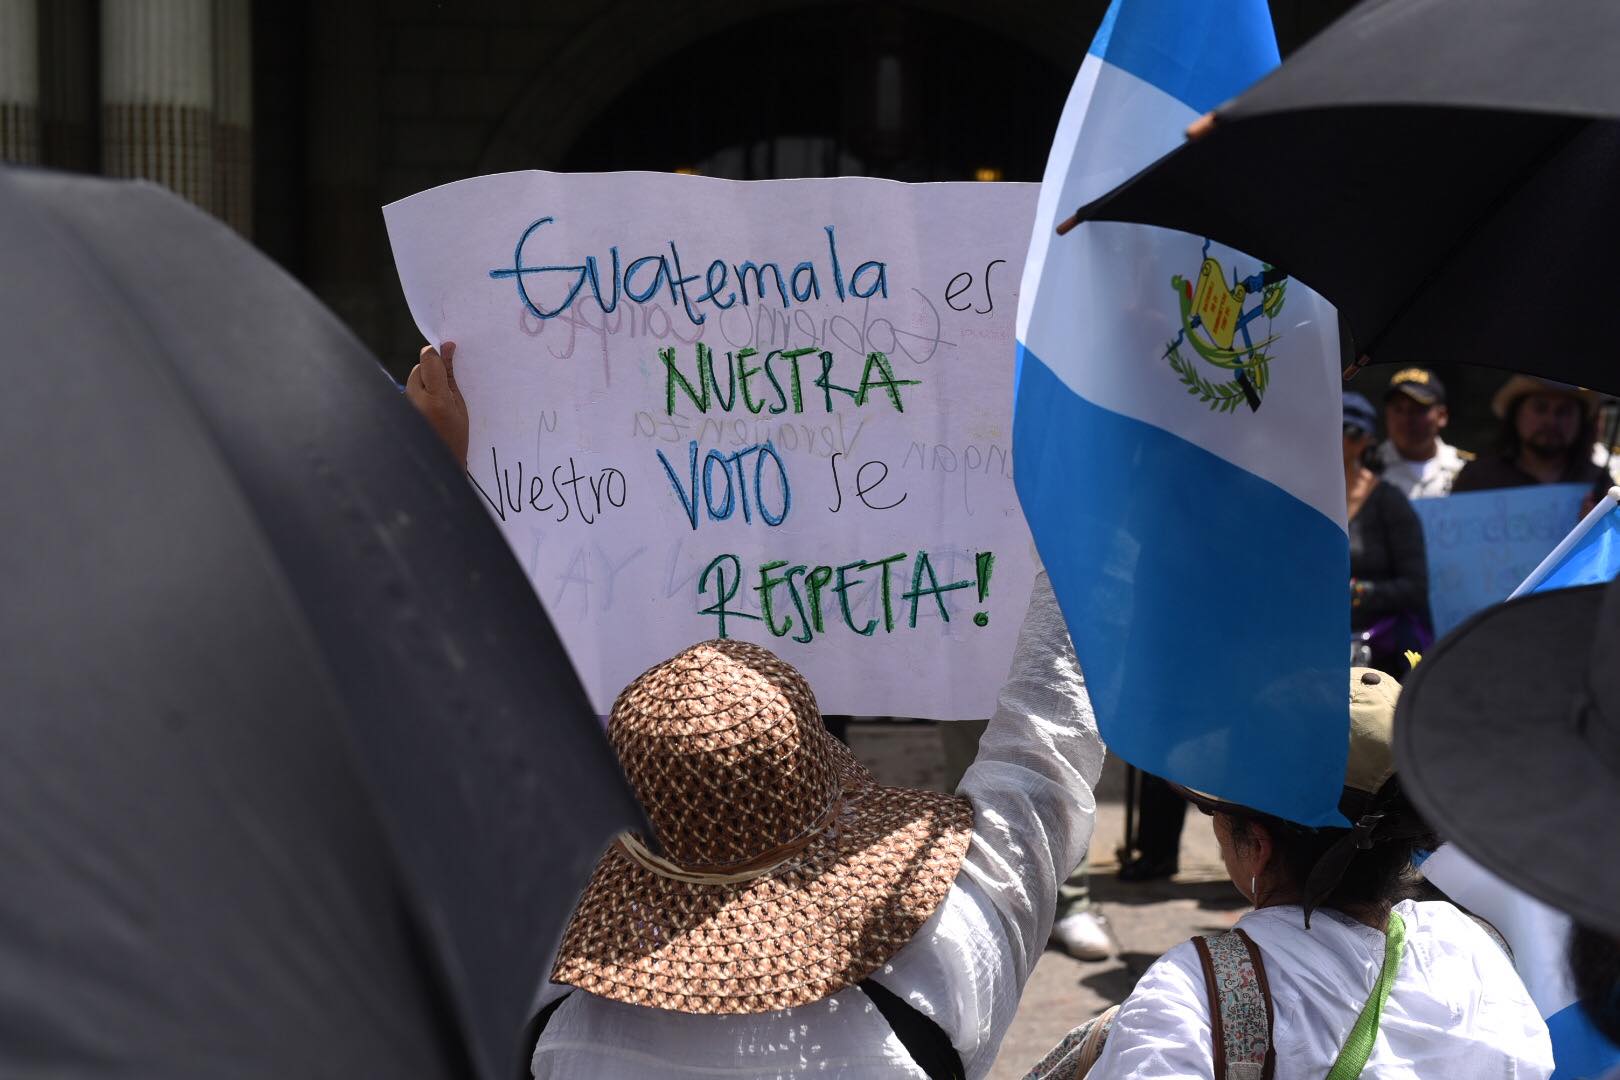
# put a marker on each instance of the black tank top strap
(923, 1039)
(533, 1030)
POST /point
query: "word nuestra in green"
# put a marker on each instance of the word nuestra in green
(757, 377)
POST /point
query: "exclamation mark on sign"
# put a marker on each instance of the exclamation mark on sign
(984, 563)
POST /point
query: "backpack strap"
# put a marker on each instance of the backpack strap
(923, 1039)
(1241, 1018)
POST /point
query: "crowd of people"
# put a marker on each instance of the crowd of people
(1547, 433)
(790, 915)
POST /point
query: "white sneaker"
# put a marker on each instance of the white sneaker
(1083, 936)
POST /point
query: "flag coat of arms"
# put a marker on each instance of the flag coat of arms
(1177, 442)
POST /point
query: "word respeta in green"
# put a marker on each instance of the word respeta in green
(806, 599)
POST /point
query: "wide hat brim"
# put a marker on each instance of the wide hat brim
(821, 922)
(1520, 386)
(1489, 746)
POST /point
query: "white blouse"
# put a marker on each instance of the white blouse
(1031, 787)
(1457, 1011)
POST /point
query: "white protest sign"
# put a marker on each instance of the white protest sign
(778, 411)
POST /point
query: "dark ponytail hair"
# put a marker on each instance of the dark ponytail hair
(1375, 876)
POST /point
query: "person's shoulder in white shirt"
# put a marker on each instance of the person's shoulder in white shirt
(1422, 479)
(1457, 1009)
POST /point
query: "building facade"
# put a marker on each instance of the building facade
(294, 121)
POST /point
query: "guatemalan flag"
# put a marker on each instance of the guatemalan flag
(1177, 441)
(1538, 934)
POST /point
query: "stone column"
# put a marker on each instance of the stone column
(233, 114)
(345, 245)
(157, 94)
(69, 90)
(19, 81)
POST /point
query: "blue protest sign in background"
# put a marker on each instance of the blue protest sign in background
(1482, 544)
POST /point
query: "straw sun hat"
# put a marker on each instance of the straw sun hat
(1522, 386)
(785, 872)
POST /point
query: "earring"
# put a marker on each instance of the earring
(1254, 891)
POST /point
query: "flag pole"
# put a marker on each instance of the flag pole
(1604, 506)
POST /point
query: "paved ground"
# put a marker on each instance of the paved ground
(1146, 919)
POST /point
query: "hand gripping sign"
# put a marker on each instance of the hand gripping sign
(778, 411)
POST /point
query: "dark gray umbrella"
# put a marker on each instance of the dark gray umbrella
(1444, 171)
(295, 777)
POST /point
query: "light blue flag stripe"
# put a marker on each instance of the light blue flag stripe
(1200, 558)
(1580, 1052)
(1589, 555)
(1593, 560)
(1132, 551)
(1201, 54)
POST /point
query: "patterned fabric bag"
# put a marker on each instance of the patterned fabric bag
(1073, 1057)
(1240, 1014)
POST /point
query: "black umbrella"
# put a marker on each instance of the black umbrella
(1444, 171)
(295, 777)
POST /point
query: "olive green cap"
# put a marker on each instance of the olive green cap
(1371, 760)
(1371, 763)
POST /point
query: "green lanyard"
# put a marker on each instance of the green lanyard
(1358, 1047)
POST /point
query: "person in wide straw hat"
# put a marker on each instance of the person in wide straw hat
(1546, 435)
(1509, 737)
(1336, 972)
(789, 915)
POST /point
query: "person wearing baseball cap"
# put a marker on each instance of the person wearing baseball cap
(1546, 437)
(1414, 457)
(1389, 566)
(1337, 971)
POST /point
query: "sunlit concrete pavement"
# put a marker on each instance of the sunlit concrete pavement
(1145, 919)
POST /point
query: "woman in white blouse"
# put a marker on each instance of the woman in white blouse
(1334, 934)
(944, 995)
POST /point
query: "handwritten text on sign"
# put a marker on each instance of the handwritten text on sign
(1481, 544)
(778, 411)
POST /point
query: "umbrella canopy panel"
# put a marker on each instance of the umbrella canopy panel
(1432, 250)
(296, 778)
(1545, 56)
(1450, 192)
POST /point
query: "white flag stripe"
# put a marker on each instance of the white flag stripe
(1536, 933)
(1123, 274)
(1135, 120)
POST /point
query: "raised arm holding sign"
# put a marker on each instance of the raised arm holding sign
(776, 411)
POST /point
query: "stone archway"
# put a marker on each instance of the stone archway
(605, 57)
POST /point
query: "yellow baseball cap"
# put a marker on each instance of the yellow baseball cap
(1420, 384)
(1373, 695)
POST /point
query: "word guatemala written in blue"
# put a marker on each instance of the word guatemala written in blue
(720, 287)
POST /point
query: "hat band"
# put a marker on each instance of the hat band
(753, 869)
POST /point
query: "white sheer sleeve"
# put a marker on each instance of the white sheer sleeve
(1032, 783)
